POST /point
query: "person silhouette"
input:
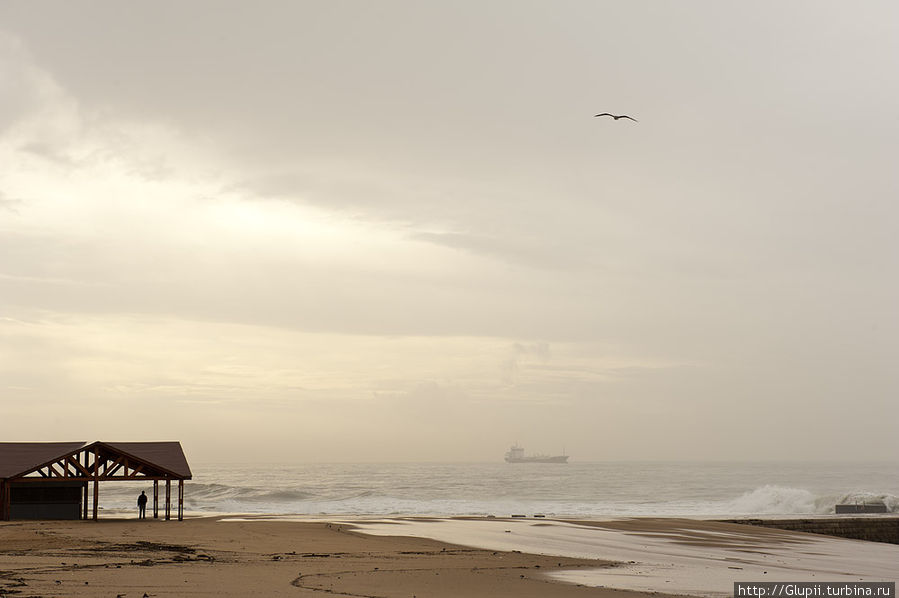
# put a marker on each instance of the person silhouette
(142, 505)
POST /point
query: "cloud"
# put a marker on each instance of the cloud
(9, 204)
(287, 216)
(533, 251)
(21, 85)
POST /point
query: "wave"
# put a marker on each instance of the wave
(285, 496)
(224, 492)
(780, 500)
(891, 501)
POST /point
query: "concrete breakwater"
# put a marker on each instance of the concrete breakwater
(873, 529)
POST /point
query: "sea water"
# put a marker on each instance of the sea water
(573, 490)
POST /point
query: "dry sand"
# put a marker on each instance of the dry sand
(207, 557)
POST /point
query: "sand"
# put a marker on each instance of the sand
(208, 557)
(473, 558)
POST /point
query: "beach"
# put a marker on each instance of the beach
(207, 557)
(247, 556)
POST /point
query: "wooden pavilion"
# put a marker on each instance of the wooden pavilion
(49, 480)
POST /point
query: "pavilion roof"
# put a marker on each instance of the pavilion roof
(20, 458)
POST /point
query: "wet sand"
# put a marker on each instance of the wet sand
(678, 556)
(208, 557)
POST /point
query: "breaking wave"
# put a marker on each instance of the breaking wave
(223, 492)
(779, 500)
(225, 498)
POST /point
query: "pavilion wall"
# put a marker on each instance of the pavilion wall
(46, 500)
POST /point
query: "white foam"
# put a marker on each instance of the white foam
(775, 500)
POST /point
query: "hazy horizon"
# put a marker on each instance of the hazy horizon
(498, 460)
(395, 231)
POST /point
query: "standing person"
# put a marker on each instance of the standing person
(142, 505)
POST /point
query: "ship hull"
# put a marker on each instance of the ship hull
(558, 459)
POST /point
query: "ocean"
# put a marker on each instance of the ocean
(574, 490)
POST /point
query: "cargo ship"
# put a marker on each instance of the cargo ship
(516, 455)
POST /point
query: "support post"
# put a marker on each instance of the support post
(96, 482)
(155, 499)
(168, 499)
(82, 458)
(4, 504)
(180, 500)
(96, 508)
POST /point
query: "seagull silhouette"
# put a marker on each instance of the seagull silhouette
(617, 116)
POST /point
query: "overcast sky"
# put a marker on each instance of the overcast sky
(363, 231)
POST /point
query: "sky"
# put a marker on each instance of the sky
(341, 231)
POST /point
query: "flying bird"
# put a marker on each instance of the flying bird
(617, 116)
